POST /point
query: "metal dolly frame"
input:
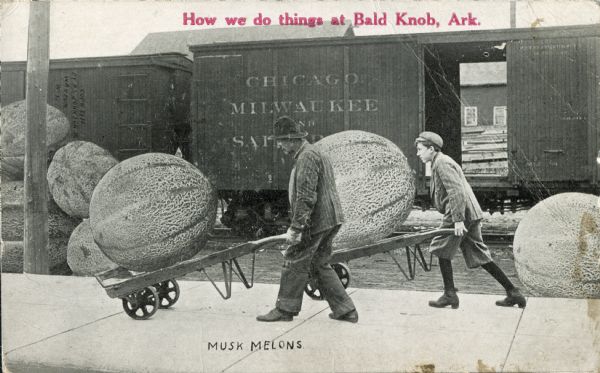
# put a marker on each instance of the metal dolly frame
(142, 294)
(145, 292)
(410, 242)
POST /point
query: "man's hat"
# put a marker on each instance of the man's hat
(287, 128)
(432, 137)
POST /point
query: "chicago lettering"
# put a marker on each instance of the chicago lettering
(309, 106)
(301, 80)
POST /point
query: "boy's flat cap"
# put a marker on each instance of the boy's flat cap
(432, 137)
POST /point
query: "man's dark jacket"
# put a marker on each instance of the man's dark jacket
(313, 196)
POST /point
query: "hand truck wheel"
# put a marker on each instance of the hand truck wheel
(141, 305)
(341, 270)
(313, 291)
(168, 293)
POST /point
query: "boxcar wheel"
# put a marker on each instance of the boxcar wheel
(141, 305)
(168, 293)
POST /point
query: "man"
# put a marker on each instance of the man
(315, 220)
(453, 197)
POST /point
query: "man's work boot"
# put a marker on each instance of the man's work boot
(449, 298)
(351, 316)
(513, 296)
(276, 315)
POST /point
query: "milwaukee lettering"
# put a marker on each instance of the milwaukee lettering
(309, 106)
(301, 80)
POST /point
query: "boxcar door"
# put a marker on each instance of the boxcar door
(133, 115)
(548, 118)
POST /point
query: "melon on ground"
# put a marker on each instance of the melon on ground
(13, 122)
(375, 183)
(12, 254)
(84, 257)
(60, 225)
(557, 247)
(152, 211)
(73, 174)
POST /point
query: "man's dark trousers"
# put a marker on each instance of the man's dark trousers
(311, 257)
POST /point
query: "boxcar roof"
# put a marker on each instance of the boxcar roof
(477, 36)
(180, 41)
(169, 60)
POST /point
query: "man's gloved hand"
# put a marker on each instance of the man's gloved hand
(293, 236)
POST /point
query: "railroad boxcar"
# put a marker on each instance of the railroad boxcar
(126, 104)
(395, 86)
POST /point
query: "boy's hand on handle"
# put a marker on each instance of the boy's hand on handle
(459, 228)
(293, 236)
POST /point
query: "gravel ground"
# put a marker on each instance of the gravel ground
(380, 271)
(494, 222)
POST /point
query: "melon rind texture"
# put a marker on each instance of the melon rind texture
(73, 174)
(557, 247)
(84, 257)
(152, 211)
(375, 183)
(13, 122)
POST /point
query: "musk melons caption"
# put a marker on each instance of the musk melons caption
(258, 345)
(425, 19)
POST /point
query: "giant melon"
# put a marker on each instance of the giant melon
(557, 247)
(375, 183)
(13, 123)
(73, 174)
(152, 211)
(84, 257)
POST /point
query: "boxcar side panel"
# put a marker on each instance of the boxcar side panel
(163, 105)
(181, 111)
(593, 61)
(252, 111)
(12, 85)
(329, 88)
(134, 93)
(548, 118)
(388, 96)
(313, 93)
(216, 81)
(115, 102)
